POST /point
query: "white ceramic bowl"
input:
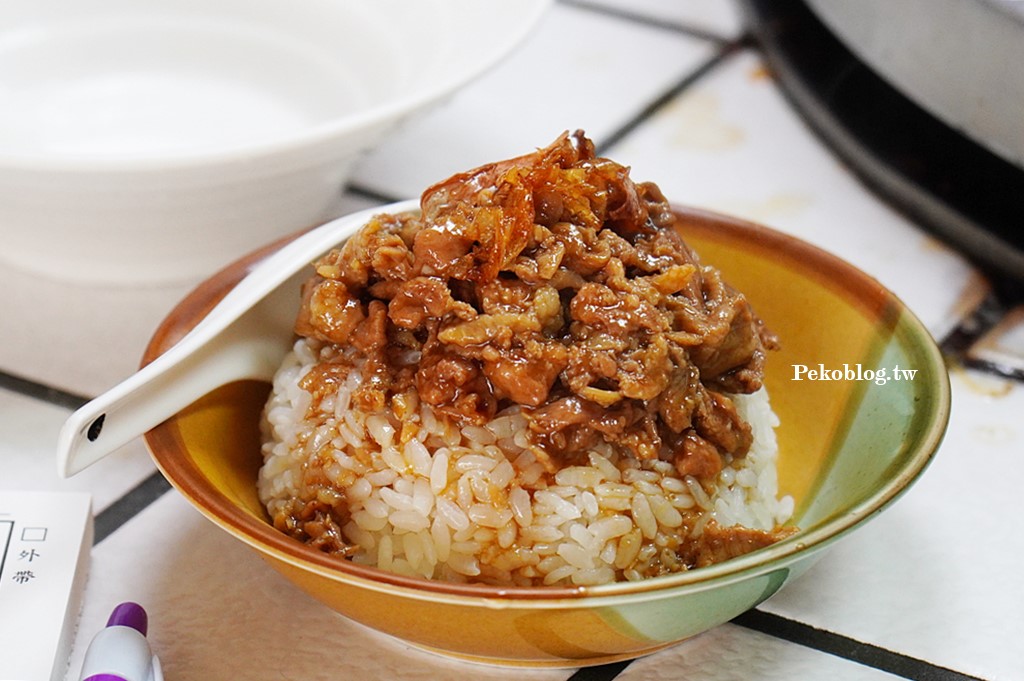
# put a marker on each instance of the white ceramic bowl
(156, 140)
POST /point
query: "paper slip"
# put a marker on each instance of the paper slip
(45, 540)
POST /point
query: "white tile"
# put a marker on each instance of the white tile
(732, 143)
(81, 339)
(937, 576)
(719, 17)
(732, 653)
(28, 454)
(217, 611)
(84, 339)
(580, 69)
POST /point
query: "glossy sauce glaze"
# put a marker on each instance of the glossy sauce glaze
(554, 282)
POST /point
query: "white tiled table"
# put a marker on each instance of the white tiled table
(931, 589)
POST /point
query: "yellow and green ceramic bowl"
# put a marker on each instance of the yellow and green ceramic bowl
(848, 448)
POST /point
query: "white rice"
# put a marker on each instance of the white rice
(474, 504)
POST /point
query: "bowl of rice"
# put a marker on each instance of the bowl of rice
(562, 439)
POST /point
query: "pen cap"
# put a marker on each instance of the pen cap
(129, 615)
(118, 653)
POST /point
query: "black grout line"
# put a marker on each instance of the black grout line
(667, 96)
(30, 388)
(638, 18)
(129, 505)
(370, 194)
(850, 649)
(958, 342)
(604, 672)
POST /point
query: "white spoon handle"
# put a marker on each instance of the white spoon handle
(243, 336)
(157, 391)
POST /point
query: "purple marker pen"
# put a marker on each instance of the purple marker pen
(120, 652)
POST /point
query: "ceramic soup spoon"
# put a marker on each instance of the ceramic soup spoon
(246, 336)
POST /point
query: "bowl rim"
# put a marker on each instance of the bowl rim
(306, 137)
(829, 268)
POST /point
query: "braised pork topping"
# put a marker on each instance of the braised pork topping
(554, 282)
